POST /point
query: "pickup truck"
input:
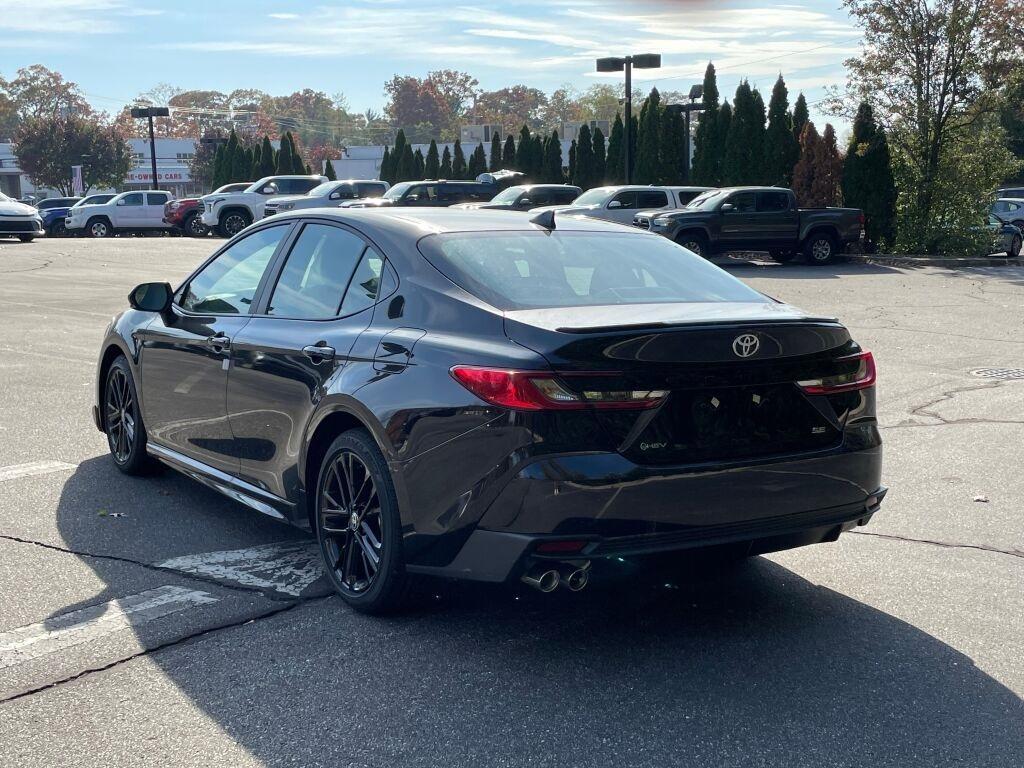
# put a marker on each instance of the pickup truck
(757, 219)
(621, 203)
(228, 214)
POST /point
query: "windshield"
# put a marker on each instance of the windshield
(509, 195)
(594, 196)
(4, 198)
(322, 190)
(534, 269)
(397, 191)
(706, 201)
(236, 187)
(93, 200)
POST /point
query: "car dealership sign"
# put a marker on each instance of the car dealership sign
(163, 175)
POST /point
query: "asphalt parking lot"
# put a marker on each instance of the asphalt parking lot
(153, 622)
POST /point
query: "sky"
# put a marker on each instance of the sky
(116, 49)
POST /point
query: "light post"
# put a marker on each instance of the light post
(696, 92)
(151, 112)
(626, 63)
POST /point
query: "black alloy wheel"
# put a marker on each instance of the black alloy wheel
(126, 436)
(358, 525)
(232, 223)
(194, 226)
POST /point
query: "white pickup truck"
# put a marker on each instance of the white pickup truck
(621, 203)
(126, 212)
(330, 194)
(230, 213)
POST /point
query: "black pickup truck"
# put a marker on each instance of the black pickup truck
(757, 219)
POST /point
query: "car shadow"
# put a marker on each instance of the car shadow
(712, 665)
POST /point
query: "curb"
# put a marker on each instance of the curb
(932, 261)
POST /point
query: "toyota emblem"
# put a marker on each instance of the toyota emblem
(745, 345)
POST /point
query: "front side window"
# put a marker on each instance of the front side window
(743, 202)
(625, 199)
(531, 269)
(227, 285)
(316, 272)
(135, 198)
(371, 190)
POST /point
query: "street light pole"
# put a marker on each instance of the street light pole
(626, 64)
(150, 113)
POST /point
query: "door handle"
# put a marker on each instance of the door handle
(318, 353)
(219, 342)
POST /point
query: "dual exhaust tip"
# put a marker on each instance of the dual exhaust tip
(547, 579)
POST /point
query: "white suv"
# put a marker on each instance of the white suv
(126, 212)
(621, 203)
(228, 214)
(330, 194)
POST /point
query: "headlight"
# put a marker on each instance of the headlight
(661, 222)
(285, 206)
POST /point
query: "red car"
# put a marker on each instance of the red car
(185, 215)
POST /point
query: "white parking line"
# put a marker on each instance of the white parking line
(288, 567)
(88, 624)
(33, 468)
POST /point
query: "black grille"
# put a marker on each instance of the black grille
(733, 423)
(642, 223)
(17, 226)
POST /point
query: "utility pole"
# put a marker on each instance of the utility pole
(626, 64)
(150, 113)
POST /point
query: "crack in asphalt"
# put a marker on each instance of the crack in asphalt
(924, 409)
(945, 544)
(291, 605)
(156, 568)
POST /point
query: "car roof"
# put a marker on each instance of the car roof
(417, 222)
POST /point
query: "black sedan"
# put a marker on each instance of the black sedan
(492, 396)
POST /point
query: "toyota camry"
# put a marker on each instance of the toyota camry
(495, 396)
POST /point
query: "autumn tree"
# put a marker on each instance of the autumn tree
(511, 106)
(46, 147)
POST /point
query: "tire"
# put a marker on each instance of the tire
(122, 420)
(193, 226)
(820, 248)
(695, 242)
(1015, 247)
(783, 257)
(26, 238)
(373, 588)
(233, 222)
(99, 228)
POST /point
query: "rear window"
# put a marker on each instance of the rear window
(534, 269)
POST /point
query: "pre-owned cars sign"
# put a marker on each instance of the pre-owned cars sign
(169, 175)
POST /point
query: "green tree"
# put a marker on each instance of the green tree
(600, 158)
(584, 175)
(231, 159)
(398, 172)
(254, 158)
(707, 141)
(387, 167)
(572, 160)
(614, 160)
(477, 162)
(432, 165)
(508, 153)
(744, 147)
(47, 147)
(298, 166)
(329, 170)
(801, 116)
(241, 163)
(405, 166)
(648, 151)
(495, 152)
(219, 176)
(673, 147)
(267, 159)
(458, 161)
(418, 165)
(868, 182)
(524, 150)
(285, 162)
(446, 164)
(828, 169)
(781, 147)
(806, 167)
(553, 160)
(537, 157)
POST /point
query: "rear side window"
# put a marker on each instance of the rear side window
(651, 200)
(685, 197)
(157, 198)
(564, 196)
(371, 190)
(298, 186)
(772, 201)
(533, 269)
(364, 287)
(315, 273)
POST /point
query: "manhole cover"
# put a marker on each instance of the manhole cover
(999, 373)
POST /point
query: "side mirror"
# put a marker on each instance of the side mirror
(726, 207)
(525, 202)
(268, 190)
(122, 202)
(334, 196)
(412, 198)
(615, 204)
(151, 297)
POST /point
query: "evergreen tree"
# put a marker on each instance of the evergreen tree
(828, 165)
(780, 146)
(634, 134)
(284, 156)
(508, 153)
(707, 144)
(800, 117)
(241, 164)
(524, 148)
(537, 158)
(218, 167)
(553, 160)
(432, 165)
(648, 151)
(584, 175)
(673, 147)
(405, 168)
(458, 161)
(572, 160)
(298, 166)
(418, 165)
(867, 178)
(495, 152)
(760, 118)
(230, 155)
(600, 159)
(387, 167)
(744, 148)
(267, 159)
(329, 171)
(397, 152)
(614, 160)
(446, 164)
(255, 161)
(477, 162)
(804, 171)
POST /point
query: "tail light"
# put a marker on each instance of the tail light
(541, 391)
(861, 376)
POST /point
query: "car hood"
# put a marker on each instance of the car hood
(16, 209)
(367, 202)
(287, 198)
(581, 319)
(568, 209)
